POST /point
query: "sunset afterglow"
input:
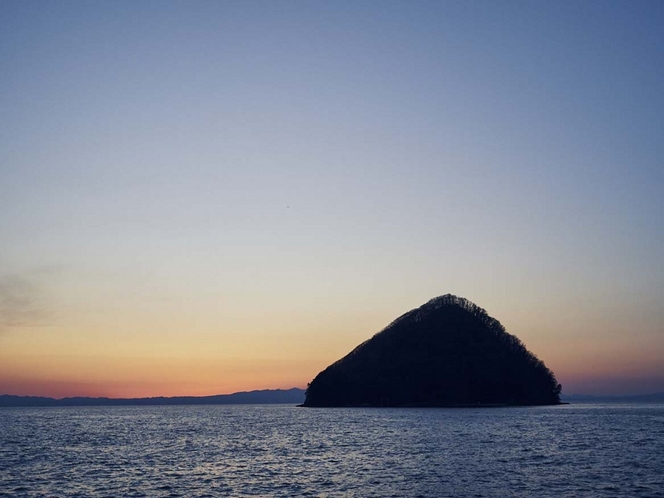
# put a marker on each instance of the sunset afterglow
(211, 197)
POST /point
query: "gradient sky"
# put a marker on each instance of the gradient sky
(206, 197)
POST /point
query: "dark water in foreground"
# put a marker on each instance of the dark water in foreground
(278, 450)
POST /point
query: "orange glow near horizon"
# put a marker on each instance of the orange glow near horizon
(174, 377)
(143, 374)
(282, 350)
(237, 378)
(66, 389)
(64, 363)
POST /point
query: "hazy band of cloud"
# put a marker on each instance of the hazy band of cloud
(22, 302)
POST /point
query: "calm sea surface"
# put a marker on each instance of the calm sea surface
(279, 450)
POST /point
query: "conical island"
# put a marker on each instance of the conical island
(448, 352)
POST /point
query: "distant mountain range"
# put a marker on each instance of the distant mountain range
(639, 398)
(293, 396)
(263, 397)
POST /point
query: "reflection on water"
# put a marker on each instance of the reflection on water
(278, 450)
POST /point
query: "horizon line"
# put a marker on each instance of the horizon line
(616, 396)
(154, 397)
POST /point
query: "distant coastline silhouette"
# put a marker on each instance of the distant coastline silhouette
(448, 352)
(259, 397)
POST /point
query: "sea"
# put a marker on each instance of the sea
(282, 450)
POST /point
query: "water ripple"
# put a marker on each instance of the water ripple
(209, 451)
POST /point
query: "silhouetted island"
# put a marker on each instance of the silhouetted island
(448, 352)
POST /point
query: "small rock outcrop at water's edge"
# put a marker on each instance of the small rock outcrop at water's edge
(448, 352)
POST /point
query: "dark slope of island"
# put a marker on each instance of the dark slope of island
(448, 352)
(268, 396)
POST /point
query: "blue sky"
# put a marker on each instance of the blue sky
(276, 181)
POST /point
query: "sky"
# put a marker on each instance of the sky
(207, 197)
